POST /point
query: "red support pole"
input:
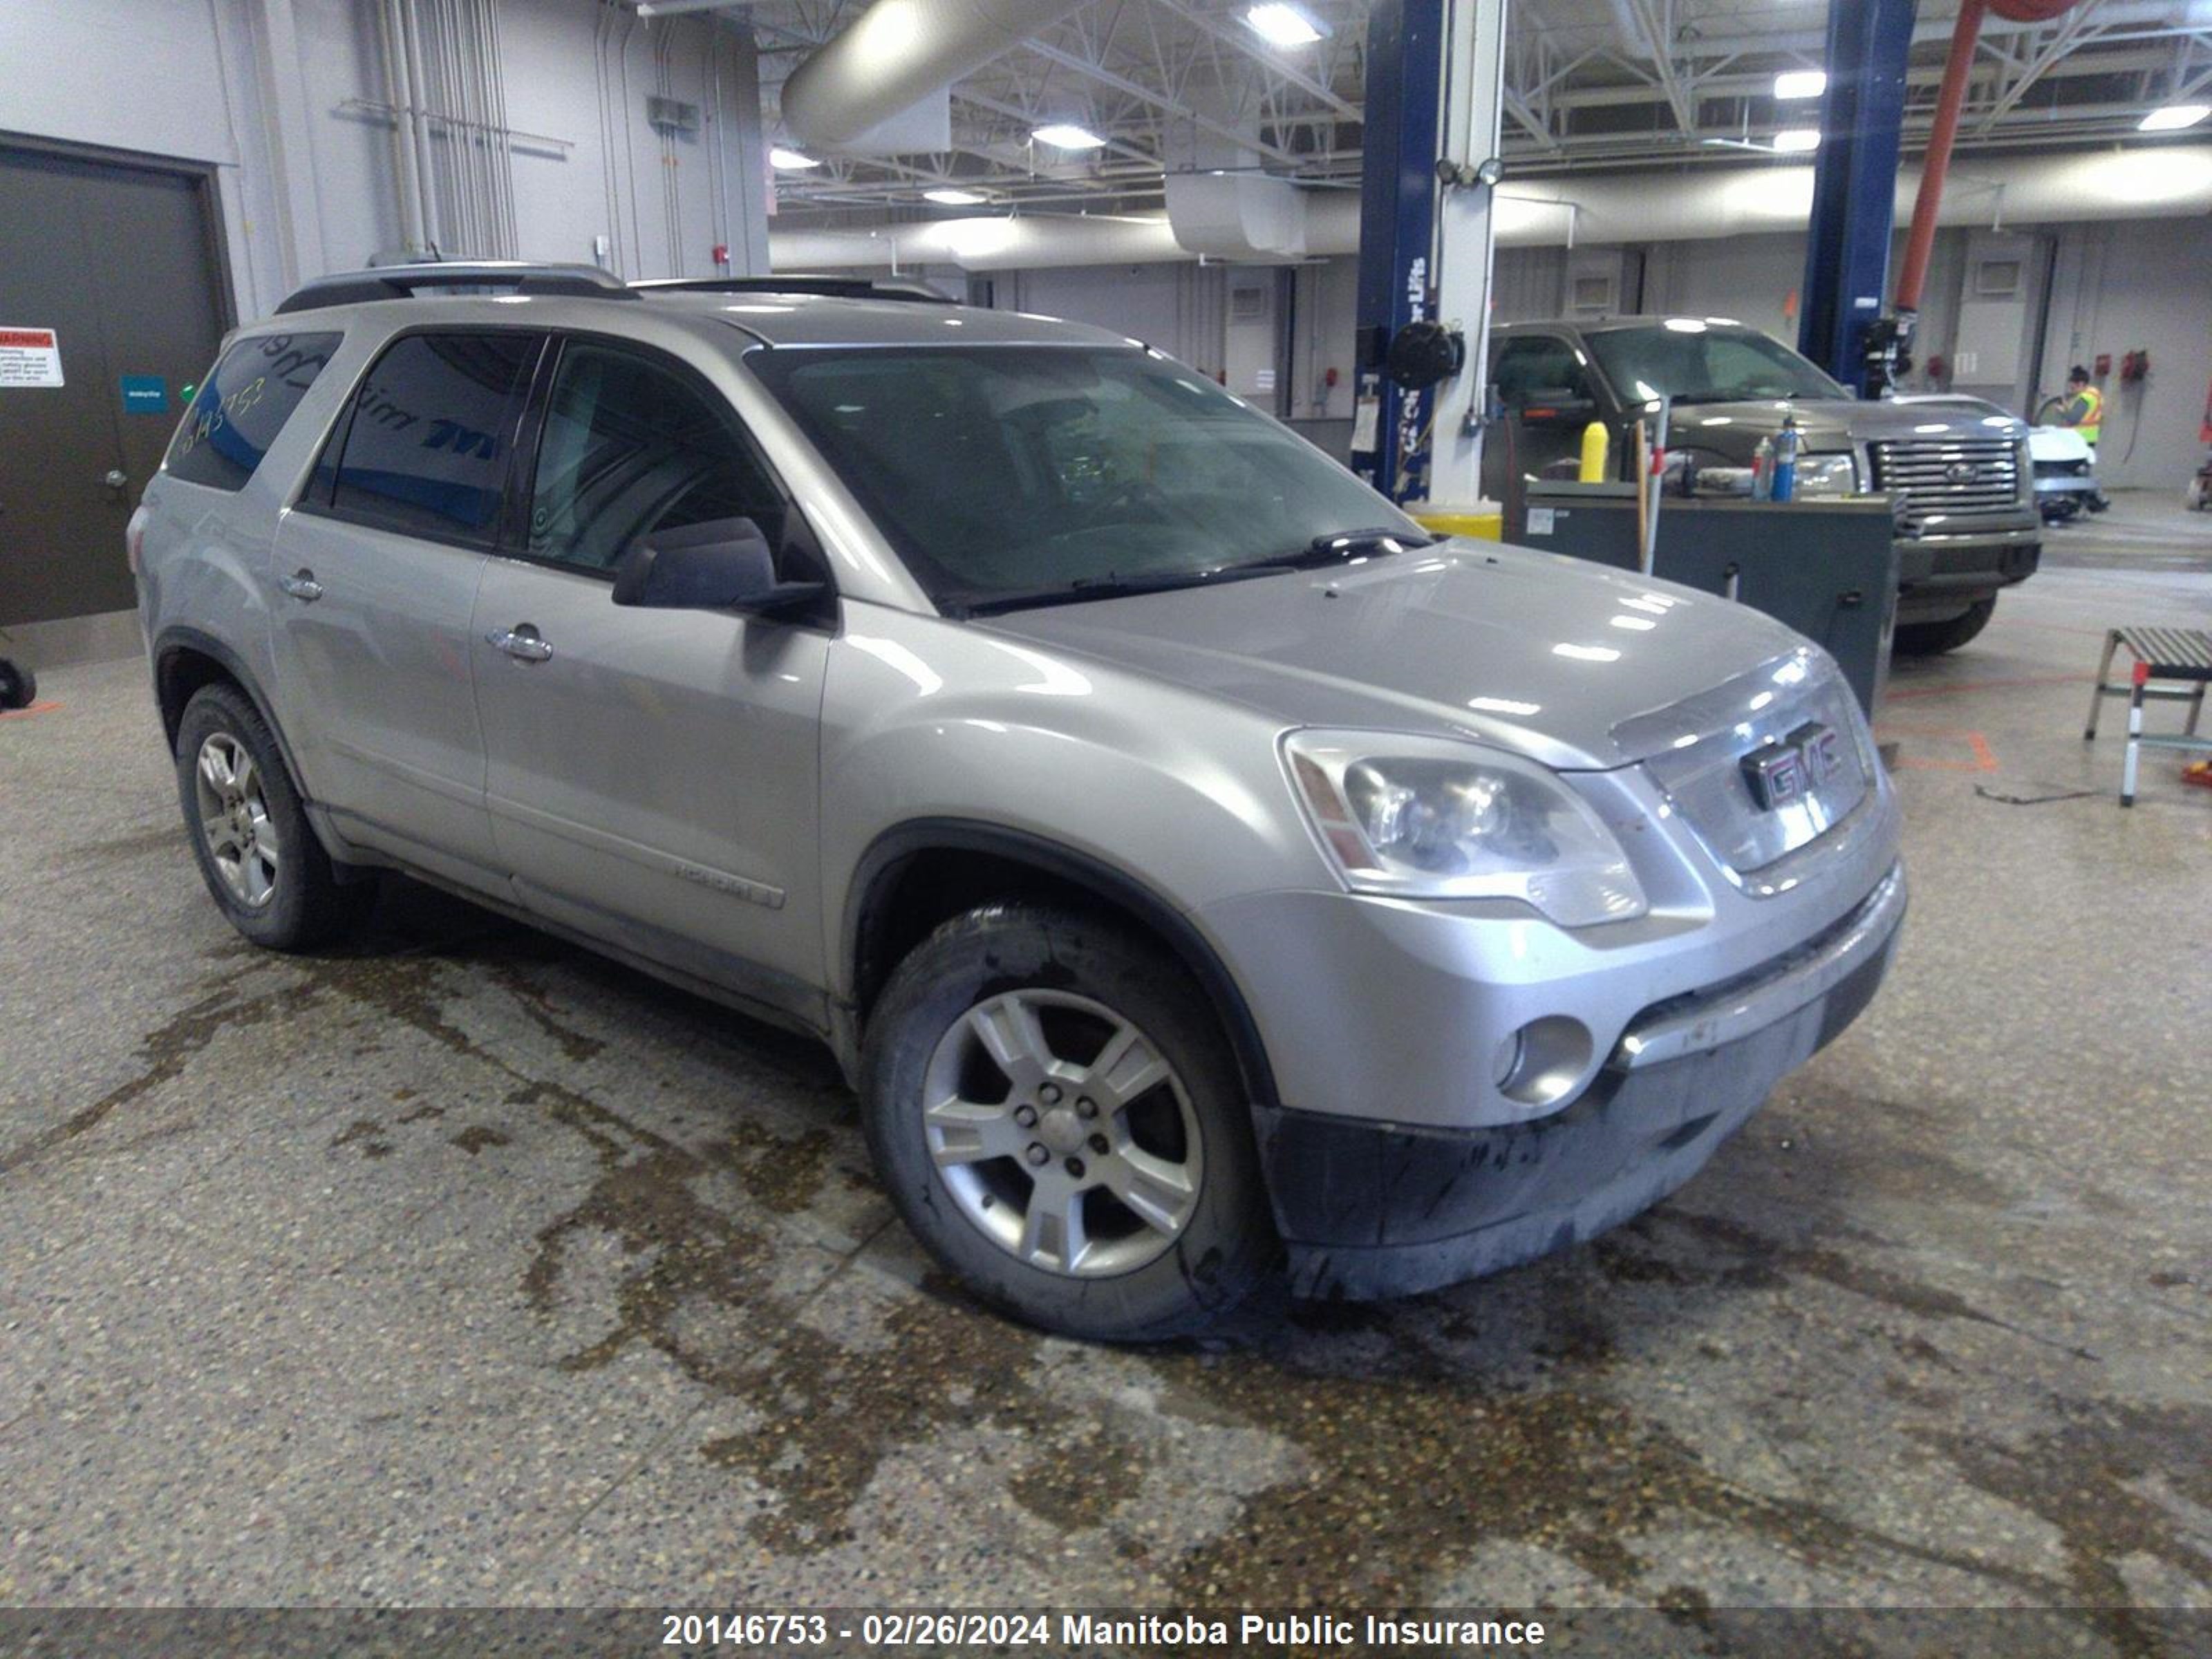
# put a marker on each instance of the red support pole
(1937, 163)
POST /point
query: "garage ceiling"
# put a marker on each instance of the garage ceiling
(1177, 84)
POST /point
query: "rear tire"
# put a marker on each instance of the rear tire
(1026, 1068)
(1933, 639)
(263, 866)
(19, 686)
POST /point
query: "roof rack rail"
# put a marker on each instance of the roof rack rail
(834, 288)
(405, 281)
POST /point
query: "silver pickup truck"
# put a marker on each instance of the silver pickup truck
(1956, 468)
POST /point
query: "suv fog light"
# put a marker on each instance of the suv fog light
(1542, 1060)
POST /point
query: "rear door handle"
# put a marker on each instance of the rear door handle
(302, 586)
(522, 643)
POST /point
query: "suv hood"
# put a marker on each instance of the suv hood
(1551, 657)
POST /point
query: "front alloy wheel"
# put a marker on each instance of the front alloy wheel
(1062, 1133)
(1057, 1116)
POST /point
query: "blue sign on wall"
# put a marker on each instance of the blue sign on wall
(145, 394)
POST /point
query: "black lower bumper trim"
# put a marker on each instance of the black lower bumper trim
(1369, 1209)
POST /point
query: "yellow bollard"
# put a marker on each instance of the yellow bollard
(1597, 442)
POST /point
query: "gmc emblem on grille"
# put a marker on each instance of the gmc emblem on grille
(1788, 768)
(1962, 472)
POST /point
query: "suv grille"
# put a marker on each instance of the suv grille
(1697, 749)
(1945, 477)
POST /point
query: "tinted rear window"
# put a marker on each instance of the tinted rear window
(244, 405)
(427, 452)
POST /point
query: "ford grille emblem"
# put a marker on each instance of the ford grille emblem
(1787, 769)
(1962, 472)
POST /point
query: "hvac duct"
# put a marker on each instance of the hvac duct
(2150, 181)
(1237, 216)
(899, 53)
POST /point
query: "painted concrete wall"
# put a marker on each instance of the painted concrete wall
(261, 88)
(2118, 288)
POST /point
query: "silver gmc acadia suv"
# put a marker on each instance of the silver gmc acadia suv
(1200, 873)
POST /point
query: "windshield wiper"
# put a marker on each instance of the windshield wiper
(1343, 546)
(1114, 587)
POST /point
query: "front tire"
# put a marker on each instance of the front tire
(262, 865)
(1933, 639)
(1058, 1118)
(19, 686)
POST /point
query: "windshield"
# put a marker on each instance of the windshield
(1699, 363)
(1017, 474)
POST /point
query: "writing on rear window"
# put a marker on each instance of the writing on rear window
(243, 406)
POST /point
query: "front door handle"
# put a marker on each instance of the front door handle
(522, 643)
(301, 586)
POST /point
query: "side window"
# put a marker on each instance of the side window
(427, 452)
(244, 405)
(1530, 368)
(631, 447)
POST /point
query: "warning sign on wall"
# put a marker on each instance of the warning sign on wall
(29, 356)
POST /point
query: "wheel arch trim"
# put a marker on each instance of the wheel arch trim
(871, 883)
(177, 638)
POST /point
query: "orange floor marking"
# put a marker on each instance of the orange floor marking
(1982, 761)
(1986, 686)
(25, 714)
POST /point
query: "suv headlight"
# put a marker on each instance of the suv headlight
(1428, 817)
(1828, 474)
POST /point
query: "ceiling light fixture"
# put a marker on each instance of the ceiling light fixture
(1795, 141)
(1280, 24)
(1800, 83)
(952, 196)
(1066, 135)
(2173, 118)
(789, 161)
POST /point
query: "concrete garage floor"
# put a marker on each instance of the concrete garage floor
(463, 1268)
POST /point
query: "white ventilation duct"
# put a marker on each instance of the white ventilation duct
(2150, 181)
(898, 53)
(1237, 216)
(1029, 243)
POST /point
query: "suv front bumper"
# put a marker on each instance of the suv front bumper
(1369, 1209)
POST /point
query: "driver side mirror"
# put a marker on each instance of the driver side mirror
(722, 564)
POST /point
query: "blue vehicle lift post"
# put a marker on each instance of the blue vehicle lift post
(1840, 324)
(1397, 231)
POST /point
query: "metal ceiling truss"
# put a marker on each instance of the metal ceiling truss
(1174, 84)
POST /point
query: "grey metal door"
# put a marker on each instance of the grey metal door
(116, 265)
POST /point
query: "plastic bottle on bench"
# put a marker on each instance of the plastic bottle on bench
(1785, 459)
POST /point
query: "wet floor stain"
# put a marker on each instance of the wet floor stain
(1402, 1452)
(367, 1133)
(164, 1055)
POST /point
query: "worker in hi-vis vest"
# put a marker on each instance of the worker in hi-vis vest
(2085, 413)
(2085, 406)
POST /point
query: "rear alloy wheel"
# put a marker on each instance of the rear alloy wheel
(242, 844)
(1933, 639)
(262, 865)
(1060, 1120)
